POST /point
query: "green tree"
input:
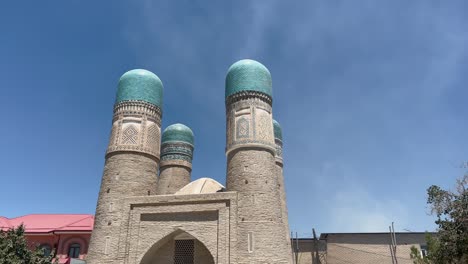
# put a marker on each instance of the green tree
(14, 249)
(450, 244)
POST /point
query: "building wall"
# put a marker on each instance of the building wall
(308, 251)
(124, 174)
(150, 222)
(67, 239)
(251, 172)
(202, 254)
(131, 166)
(371, 248)
(60, 243)
(173, 176)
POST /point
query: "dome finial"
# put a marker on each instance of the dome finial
(140, 85)
(277, 130)
(178, 132)
(248, 75)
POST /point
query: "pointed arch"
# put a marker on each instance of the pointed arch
(163, 251)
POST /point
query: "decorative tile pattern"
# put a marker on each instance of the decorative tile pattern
(130, 135)
(112, 136)
(145, 134)
(176, 157)
(245, 95)
(229, 127)
(242, 128)
(177, 151)
(263, 128)
(153, 136)
(252, 127)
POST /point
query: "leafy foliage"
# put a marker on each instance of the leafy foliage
(432, 246)
(450, 245)
(14, 249)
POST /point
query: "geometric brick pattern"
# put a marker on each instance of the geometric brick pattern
(153, 136)
(130, 135)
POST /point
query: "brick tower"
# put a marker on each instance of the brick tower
(176, 158)
(132, 158)
(279, 175)
(251, 168)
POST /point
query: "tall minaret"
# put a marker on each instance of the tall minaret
(279, 174)
(251, 168)
(132, 158)
(176, 158)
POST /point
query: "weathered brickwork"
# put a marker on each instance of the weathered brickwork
(136, 126)
(130, 170)
(281, 188)
(173, 175)
(252, 173)
(370, 248)
(154, 221)
(139, 217)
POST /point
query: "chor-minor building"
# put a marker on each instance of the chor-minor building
(149, 210)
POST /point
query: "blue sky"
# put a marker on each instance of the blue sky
(371, 96)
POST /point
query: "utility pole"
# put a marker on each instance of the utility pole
(292, 248)
(317, 258)
(393, 246)
(297, 249)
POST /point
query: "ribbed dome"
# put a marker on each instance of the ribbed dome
(140, 85)
(277, 130)
(178, 132)
(248, 75)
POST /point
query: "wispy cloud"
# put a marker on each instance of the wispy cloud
(356, 210)
(364, 92)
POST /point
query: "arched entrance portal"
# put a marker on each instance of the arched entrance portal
(178, 248)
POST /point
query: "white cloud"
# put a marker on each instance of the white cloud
(355, 210)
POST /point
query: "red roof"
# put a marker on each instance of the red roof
(46, 223)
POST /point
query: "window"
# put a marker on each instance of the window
(74, 250)
(250, 242)
(106, 246)
(46, 249)
(423, 251)
(184, 251)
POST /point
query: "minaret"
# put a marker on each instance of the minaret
(251, 168)
(176, 158)
(132, 158)
(279, 174)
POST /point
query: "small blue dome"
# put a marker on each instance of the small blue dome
(248, 75)
(178, 132)
(140, 85)
(277, 130)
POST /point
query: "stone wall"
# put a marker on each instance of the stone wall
(131, 166)
(173, 175)
(125, 174)
(252, 173)
(371, 248)
(150, 222)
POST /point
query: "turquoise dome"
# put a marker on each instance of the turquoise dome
(178, 132)
(248, 75)
(140, 85)
(277, 130)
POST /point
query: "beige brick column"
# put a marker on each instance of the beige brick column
(176, 158)
(280, 177)
(251, 168)
(130, 169)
